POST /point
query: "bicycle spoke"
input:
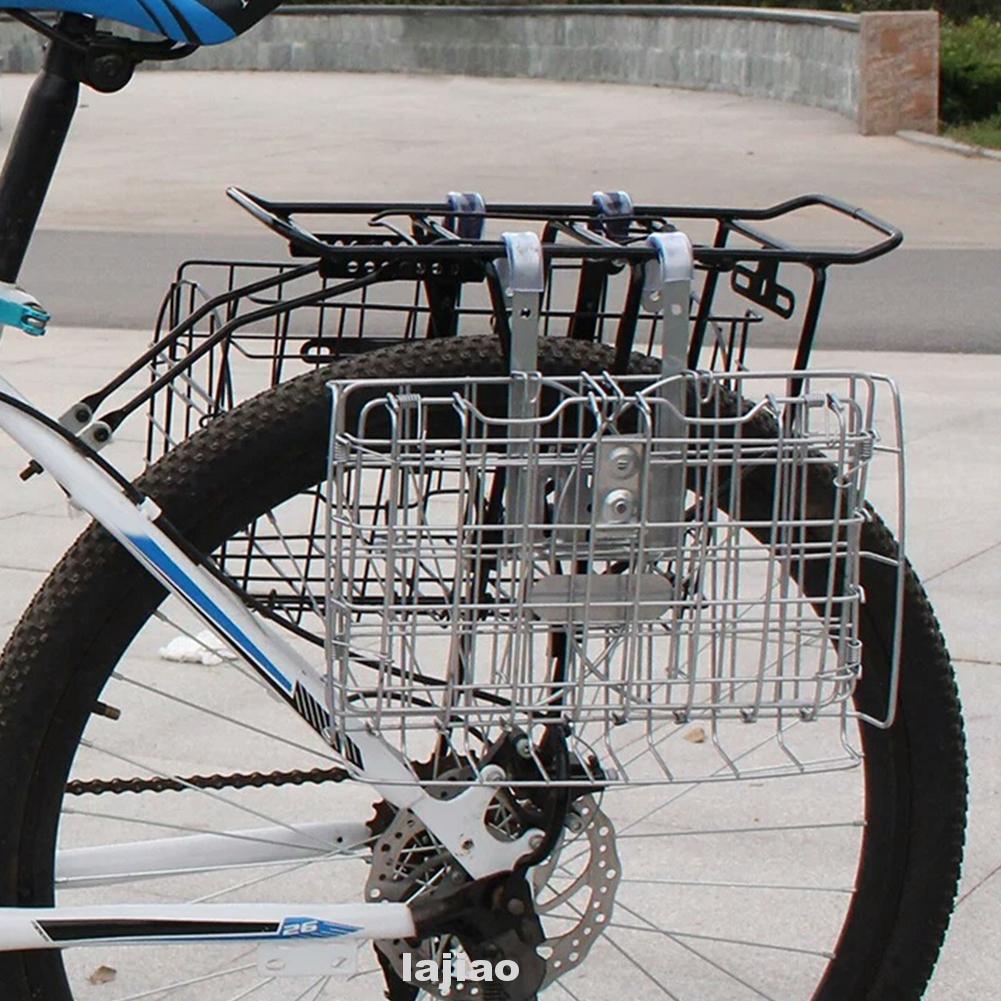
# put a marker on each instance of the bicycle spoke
(734, 885)
(561, 983)
(641, 969)
(702, 831)
(209, 793)
(749, 943)
(186, 828)
(213, 714)
(180, 985)
(688, 947)
(283, 871)
(252, 990)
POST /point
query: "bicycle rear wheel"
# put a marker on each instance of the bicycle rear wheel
(830, 886)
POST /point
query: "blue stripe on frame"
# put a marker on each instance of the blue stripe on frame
(197, 596)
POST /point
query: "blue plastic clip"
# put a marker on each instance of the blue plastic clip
(19, 309)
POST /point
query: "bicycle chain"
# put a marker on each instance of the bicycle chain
(235, 780)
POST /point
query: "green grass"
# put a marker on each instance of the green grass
(986, 132)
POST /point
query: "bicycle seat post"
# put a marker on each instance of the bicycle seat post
(38, 141)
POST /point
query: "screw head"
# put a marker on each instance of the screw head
(523, 746)
(624, 461)
(535, 842)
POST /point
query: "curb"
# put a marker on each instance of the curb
(948, 145)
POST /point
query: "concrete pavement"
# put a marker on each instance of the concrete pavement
(952, 418)
(142, 181)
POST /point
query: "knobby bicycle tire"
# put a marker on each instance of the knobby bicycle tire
(245, 462)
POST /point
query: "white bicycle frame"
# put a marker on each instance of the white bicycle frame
(458, 823)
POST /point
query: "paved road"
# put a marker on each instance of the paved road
(142, 180)
(920, 299)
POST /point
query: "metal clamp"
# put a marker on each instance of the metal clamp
(470, 214)
(522, 275)
(668, 290)
(22, 310)
(615, 211)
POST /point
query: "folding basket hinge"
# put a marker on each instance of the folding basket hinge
(470, 214)
(22, 310)
(615, 212)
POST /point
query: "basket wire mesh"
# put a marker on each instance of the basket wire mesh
(581, 604)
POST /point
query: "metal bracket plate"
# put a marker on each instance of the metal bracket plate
(760, 284)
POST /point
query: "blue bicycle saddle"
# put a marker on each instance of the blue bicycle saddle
(199, 22)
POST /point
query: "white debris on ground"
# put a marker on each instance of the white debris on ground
(103, 975)
(204, 648)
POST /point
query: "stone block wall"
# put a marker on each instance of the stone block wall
(881, 69)
(898, 72)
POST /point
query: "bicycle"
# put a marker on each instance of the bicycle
(552, 561)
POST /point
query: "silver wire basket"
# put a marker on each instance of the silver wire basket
(598, 601)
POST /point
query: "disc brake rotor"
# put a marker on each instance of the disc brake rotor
(574, 887)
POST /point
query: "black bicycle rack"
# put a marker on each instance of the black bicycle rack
(367, 275)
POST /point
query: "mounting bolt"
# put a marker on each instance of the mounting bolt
(516, 906)
(574, 823)
(523, 746)
(619, 505)
(535, 842)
